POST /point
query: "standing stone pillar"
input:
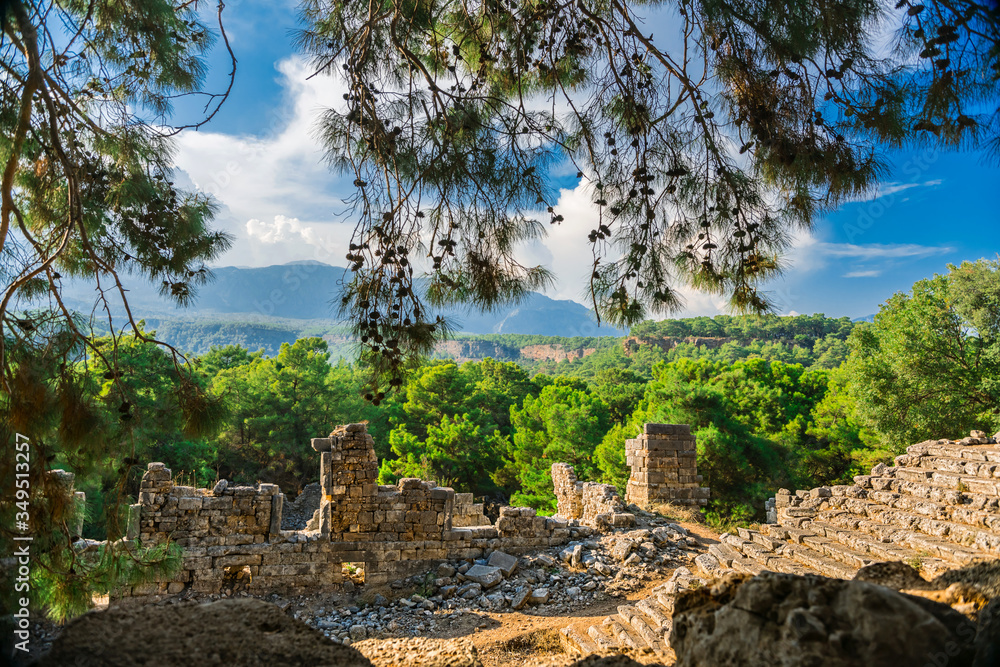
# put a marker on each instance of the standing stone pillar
(663, 460)
(348, 476)
(569, 492)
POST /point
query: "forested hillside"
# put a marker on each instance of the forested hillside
(769, 412)
(774, 402)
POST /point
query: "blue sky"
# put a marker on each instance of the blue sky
(260, 160)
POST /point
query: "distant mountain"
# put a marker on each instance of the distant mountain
(309, 291)
(866, 318)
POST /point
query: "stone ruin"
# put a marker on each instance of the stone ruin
(663, 460)
(936, 509)
(386, 531)
(664, 469)
(235, 533)
(592, 504)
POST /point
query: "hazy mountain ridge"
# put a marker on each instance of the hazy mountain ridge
(265, 306)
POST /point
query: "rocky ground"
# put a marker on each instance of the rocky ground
(511, 608)
(887, 615)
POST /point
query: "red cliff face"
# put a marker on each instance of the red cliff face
(555, 353)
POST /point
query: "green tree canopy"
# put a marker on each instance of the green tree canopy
(564, 424)
(87, 192)
(702, 149)
(928, 366)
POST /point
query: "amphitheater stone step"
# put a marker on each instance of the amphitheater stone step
(950, 480)
(878, 549)
(768, 553)
(602, 640)
(634, 618)
(613, 626)
(982, 452)
(973, 509)
(576, 644)
(961, 466)
(658, 617)
(643, 624)
(920, 532)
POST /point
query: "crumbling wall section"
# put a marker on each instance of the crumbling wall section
(297, 513)
(593, 504)
(466, 513)
(393, 530)
(663, 460)
(355, 508)
(226, 531)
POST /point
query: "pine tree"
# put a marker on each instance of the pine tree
(86, 93)
(703, 150)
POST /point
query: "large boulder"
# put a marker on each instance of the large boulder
(892, 574)
(244, 632)
(783, 620)
(988, 637)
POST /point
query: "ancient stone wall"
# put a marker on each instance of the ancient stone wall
(467, 513)
(388, 531)
(663, 460)
(569, 492)
(593, 504)
(226, 515)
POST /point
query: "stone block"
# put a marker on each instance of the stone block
(218, 503)
(539, 596)
(506, 563)
(485, 575)
(322, 444)
(189, 503)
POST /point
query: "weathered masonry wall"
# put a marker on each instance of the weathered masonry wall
(594, 505)
(393, 530)
(467, 513)
(663, 460)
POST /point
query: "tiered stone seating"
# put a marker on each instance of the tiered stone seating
(641, 625)
(937, 508)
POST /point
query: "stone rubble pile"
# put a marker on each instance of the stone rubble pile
(593, 504)
(549, 583)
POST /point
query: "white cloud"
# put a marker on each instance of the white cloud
(874, 273)
(280, 201)
(881, 250)
(278, 176)
(807, 253)
(891, 188)
(568, 254)
(282, 229)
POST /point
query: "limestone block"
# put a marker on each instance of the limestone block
(218, 503)
(539, 596)
(485, 575)
(505, 562)
(277, 505)
(189, 503)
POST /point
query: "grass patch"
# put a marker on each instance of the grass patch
(678, 513)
